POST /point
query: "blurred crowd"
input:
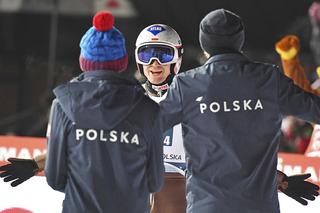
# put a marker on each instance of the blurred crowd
(296, 134)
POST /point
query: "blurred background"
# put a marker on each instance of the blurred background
(39, 43)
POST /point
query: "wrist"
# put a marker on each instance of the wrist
(282, 180)
(40, 161)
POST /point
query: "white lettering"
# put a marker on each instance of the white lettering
(101, 136)
(91, 135)
(246, 105)
(6, 153)
(203, 107)
(113, 136)
(123, 137)
(9, 152)
(135, 139)
(24, 153)
(156, 28)
(316, 143)
(258, 105)
(79, 133)
(225, 107)
(166, 140)
(236, 106)
(298, 169)
(37, 152)
(217, 107)
(287, 169)
(279, 165)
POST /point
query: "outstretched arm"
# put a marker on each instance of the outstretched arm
(20, 170)
(297, 187)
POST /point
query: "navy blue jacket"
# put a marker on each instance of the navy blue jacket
(231, 110)
(104, 149)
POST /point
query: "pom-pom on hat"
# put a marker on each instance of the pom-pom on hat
(221, 30)
(103, 46)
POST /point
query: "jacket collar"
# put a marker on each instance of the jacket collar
(235, 56)
(108, 75)
(100, 74)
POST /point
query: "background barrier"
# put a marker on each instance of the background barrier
(37, 197)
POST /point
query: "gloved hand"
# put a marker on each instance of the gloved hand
(18, 170)
(297, 187)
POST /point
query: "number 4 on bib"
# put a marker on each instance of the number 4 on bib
(167, 137)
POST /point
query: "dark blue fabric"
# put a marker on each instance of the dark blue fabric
(231, 110)
(104, 150)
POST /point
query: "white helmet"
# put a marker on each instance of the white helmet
(159, 42)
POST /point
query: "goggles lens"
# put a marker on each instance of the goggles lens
(163, 53)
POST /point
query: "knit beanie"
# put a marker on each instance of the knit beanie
(314, 12)
(221, 30)
(103, 46)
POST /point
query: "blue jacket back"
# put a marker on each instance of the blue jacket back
(231, 110)
(104, 147)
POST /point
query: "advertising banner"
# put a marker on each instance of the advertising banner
(36, 196)
(313, 149)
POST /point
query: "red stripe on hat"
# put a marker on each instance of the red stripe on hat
(118, 65)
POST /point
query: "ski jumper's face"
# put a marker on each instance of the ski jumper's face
(155, 72)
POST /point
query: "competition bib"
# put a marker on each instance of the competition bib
(173, 150)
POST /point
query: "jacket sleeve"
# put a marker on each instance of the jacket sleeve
(56, 163)
(171, 108)
(296, 102)
(155, 165)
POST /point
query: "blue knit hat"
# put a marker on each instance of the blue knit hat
(103, 46)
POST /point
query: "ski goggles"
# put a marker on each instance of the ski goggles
(164, 54)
